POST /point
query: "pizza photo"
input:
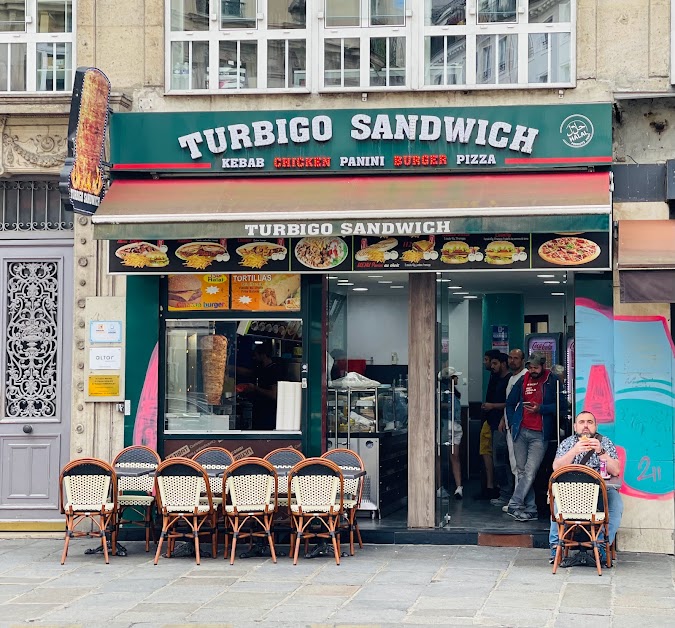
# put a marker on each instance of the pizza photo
(569, 251)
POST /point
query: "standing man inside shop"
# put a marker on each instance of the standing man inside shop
(531, 413)
(494, 405)
(517, 370)
(263, 391)
(485, 441)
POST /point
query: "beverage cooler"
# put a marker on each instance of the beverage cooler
(372, 422)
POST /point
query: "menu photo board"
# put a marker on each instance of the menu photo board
(478, 251)
(195, 293)
(194, 256)
(260, 292)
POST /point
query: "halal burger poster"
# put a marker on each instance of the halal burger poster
(198, 292)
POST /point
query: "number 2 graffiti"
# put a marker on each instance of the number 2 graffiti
(648, 471)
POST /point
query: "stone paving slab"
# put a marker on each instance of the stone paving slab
(379, 587)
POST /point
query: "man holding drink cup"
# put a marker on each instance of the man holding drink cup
(589, 448)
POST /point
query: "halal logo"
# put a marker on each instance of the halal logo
(577, 131)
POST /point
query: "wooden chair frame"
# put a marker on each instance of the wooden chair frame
(588, 525)
(326, 515)
(101, 515)
(197, 518)
(351, 506)
(239, 514)
(142, 509)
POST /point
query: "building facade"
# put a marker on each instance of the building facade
(192, 60)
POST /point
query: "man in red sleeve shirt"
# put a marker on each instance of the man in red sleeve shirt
(531, 411)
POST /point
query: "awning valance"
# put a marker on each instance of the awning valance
(204, 207)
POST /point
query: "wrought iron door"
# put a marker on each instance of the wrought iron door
(35, 370)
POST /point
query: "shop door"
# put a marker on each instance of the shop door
(445, 445)
(35, 370)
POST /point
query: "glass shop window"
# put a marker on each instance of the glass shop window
(232, 375)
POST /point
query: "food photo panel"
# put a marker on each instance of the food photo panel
(321, 253)
(566, 250)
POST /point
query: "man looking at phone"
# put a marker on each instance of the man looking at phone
(530, 409)
(576, 450)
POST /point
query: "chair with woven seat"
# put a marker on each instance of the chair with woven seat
(578, 498)
(250, 487)
(87, 491)
(283, 460)
(215, 460)
(318, 488)
(180, 484)
(135, 493)
(349, 460)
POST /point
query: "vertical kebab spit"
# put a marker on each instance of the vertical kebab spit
(214, 364)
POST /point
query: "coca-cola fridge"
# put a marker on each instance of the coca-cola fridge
(548, 344)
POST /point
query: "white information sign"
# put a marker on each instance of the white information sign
(105, 331)
(105, 359)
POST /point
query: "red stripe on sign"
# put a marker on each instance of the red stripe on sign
(557, 160)
(161, 166)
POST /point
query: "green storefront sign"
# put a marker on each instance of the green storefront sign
(347, 141)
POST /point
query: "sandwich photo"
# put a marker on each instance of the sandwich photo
(379, 251)
(184, 290)
(280, 288)
(455, 252)
(422, 245)
(499, 252)
(142, 255)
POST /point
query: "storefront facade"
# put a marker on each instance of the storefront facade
(234, 227)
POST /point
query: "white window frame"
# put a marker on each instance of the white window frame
(214, 35)
(32, 38)
(414, 30)
(472, 29)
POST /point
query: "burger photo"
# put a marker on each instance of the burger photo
(157, 259)
(455, 252)
(499, 252)
(184, 290)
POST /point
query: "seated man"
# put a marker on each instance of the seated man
(575, 450)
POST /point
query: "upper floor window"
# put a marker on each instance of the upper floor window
(365, 44)
(237, 45)
(36, 45)
(375, 45)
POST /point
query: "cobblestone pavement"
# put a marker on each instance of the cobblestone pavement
(383, 585)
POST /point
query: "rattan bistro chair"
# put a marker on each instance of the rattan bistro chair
(578, 498)
(87, 492)
(349, 460)
(250, 487)
(318, 488)
(134, 493)
(179, 484)
(284, 459)
(215, 460)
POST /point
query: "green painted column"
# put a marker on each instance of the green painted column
(507, 310)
